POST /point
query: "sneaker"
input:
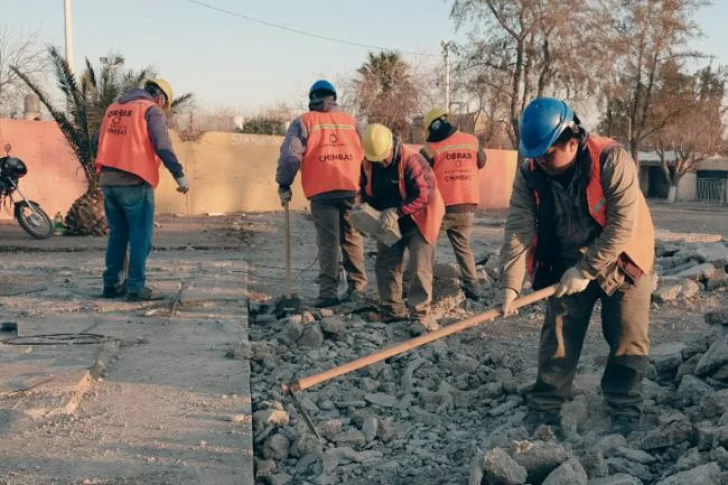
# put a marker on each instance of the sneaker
(326, 302)
(144, 295)
(115, 291)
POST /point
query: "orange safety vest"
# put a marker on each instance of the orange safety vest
(640, 250)
(333, 156)
(429, 219)
(124, 142)
(455, 161)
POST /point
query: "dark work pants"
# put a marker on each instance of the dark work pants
(625, 322)
(335, 233)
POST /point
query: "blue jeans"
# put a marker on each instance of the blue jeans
(130, 214)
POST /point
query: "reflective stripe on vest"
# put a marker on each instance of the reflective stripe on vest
(429, 219)
(333, 156)
(455, 162)
(124, 142)
(594, 193)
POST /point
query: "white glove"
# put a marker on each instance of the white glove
(507, 296)
(573, 281)
(285, 194)
(389, 219)
(183, 186)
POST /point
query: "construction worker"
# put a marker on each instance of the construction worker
(324, 144)
(578, 219)
(399, 182)
(132, 140)
(456, 158)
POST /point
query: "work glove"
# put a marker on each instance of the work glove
(389, 219)
(506, 299)
(285, 194)
(573, 281)
(183, 186)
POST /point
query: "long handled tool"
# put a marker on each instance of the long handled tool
(289, 302)
(370, 359)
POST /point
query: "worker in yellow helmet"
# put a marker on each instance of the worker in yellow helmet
(131, 144)
(397, 181)
(456, 158)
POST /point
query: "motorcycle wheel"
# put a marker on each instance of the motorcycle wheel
(37, 224)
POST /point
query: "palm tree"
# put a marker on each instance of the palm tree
(385, 90)
(87, 99)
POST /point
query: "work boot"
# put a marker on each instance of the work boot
(389, 315)
(326, 302)
(116, 291)
(146, 294)
(354, 296)
(423, 324)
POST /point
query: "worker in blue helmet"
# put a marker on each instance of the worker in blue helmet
(578, 219)
(325, 145)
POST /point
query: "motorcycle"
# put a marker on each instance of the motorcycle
(28, 213)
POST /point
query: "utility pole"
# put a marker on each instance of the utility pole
(69, 33)
(69, 43)
(446, 52)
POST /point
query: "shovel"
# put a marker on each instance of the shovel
(289, 303)
(357, 364)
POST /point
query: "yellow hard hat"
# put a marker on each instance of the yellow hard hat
(434, 114)
(165, 87)
(377, 141)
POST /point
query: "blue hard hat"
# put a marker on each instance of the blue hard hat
(321, 85)
(542, 122)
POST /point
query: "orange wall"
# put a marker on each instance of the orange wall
(228, 172)
(54, 177)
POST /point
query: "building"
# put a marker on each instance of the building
(707, 181)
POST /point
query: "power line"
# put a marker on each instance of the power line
(303, 32)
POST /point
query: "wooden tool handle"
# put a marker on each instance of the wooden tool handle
(315, 379)
(289, 282)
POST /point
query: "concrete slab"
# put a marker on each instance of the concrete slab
(174, 408)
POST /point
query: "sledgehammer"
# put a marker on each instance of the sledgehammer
(370, 359)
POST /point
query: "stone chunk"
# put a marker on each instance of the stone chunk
(713, 359)
(350, 439)
(570, 472)
(717, 317)
(276, 448)
(333, 325)
(366, 220)
(699, 272)
(704, 475)
(618, 479)
(540, 458)
(669, 435)
(381, 399)
(713, 253)
(500, 468)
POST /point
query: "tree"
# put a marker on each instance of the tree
(697, 131)
(385, 91)
(87, 98)
(520, 49)
(21, 50)
(648, 36)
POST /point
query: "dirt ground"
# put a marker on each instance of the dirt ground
(118, 434)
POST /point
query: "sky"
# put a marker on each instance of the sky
(230, 62)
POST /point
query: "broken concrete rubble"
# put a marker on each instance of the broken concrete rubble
(425, 414)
